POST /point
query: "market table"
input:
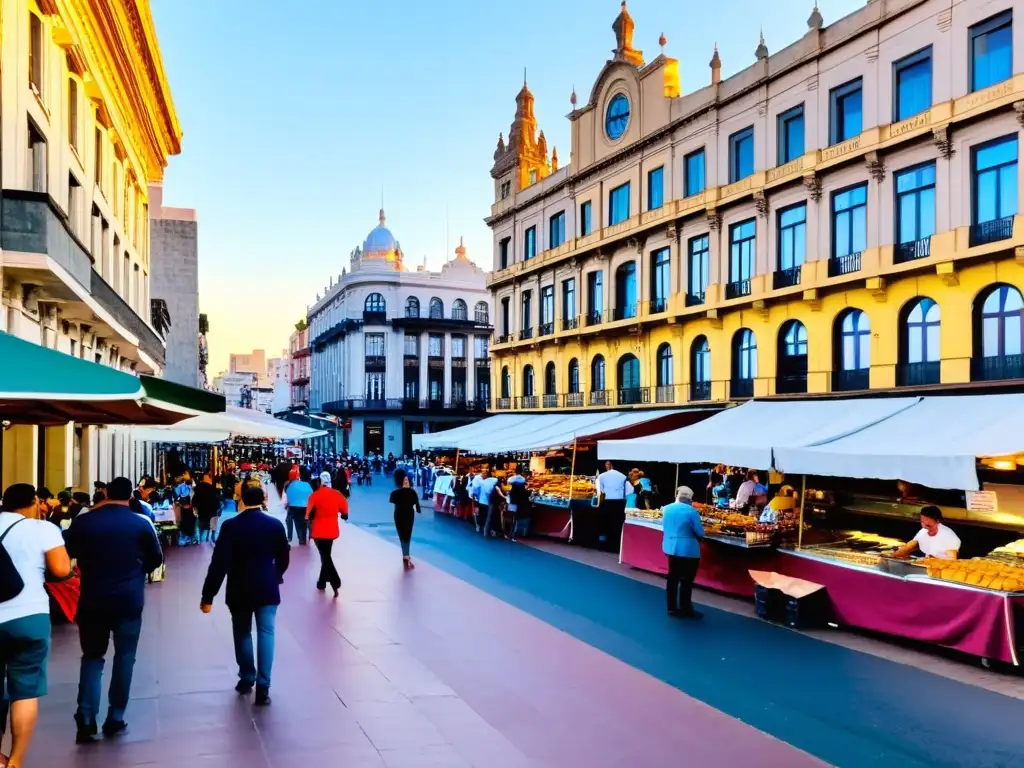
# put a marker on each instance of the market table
(550, 520)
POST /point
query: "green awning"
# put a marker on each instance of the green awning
(43, 386)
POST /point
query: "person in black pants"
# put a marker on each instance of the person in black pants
(681, 540)
(407, 506)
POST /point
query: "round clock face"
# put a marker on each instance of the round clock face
(617, 117)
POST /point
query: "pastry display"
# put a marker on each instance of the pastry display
(648, 515)
(984, 572)
(554, 489)
(856, 547)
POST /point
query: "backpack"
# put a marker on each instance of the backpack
(11, 583)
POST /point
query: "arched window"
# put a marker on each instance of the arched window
(792, 373)
(629, 380)
(412, 307)
(852, 351)
(625, 291)
(436, 309)
(481, 314)
(598, 393)
(550, 387)
(375, 303)
(506, 383)
(665, 373)
(459, 310)
(528, 381)
(574, 376)
(919, 343)
(700, 369)
(998, 334)
(744, 363)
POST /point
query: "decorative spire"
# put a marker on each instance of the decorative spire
(716, 67)
(623, 28)
(554, 159)
(572, 98)
(460, 252)
(382, 219)
(762, 50)
(815, 21)
(661, 41)
(501, 142)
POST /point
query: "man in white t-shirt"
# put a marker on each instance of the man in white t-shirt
(34, 547)
(934, 539)
(612, 489)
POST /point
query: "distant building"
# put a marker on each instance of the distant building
(236, 387)
(298, 358)
(250, 362)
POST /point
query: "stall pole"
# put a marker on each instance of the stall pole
(572, 471)
(456, 462)
(677, 482)
(800, 530)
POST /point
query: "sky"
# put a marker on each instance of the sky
(299, 116)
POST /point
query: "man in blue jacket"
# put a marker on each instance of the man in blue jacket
(115, 549)
(252, 552)
(683, 533)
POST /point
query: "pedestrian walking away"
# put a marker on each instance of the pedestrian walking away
(297, 494)
(115, 549)
(252, 553)
(30, 548)
(407, 506)
(325, 506)
(683, 533)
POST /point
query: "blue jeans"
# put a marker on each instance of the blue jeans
(249, 670)
(94, 637)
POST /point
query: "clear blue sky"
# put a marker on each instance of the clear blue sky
(295, 114)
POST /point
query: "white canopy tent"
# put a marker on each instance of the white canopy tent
(453, 438)
(217, 427)
(747, 435)
(935, 443)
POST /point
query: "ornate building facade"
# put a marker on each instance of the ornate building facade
(397, 352)
(87, 124)
(839, 216)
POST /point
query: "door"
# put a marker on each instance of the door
(373, 437)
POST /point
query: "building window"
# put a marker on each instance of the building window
(503, 252)
(991, 51)
(853, 351)
(666, 376)
(374, 344)
(845, 111)
(595, 296)
(435, 345)
(556, 230)
(550, 384)
(792, 366)
(585, 220)
(915, 210)
(661, 280)
(530, 243)
(569, 304)
(994, 190)
(618, 204)
(436, 309)
(597, 380)
(912, 85)
(412, 307)
(791, 134)
(625, 291)
(36, 158)
(35, 53)
(629, 380)
(412, 345)
(849, 226)
(526, 314)
(480, 347)
(375, 303)
(73, 112)
(125, 285)
(741, 154)
(693, 172)
(547, 310)
(700, 369)
(528, 381)
(98, 159)
(506, 383)
(459, 310)
(74, 203)
(742, 242)
(574, 376)
(506, 315)
(744, 358)
(792, 236)
(506, 189)
(698, 269)
(458, 347)
(919, 343)
(655, 188)
(481, 314)
(998, 334)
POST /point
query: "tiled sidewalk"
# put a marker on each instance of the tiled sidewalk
(417, 669)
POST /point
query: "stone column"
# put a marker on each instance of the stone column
(60, 451)
(21, 443)
(424, 364)
(447, 369)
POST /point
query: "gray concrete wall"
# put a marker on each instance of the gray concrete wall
(174, 260)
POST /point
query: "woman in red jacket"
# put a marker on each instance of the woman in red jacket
(322, 511)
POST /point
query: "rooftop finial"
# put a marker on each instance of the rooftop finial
(661, 41)
(382, 212)
(815, 21)
(762, 50)
(716, 67)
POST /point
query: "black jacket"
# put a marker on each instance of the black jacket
(252, 552)
(206, 500)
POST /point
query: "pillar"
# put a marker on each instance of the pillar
(59, 455)
(447, 369)
(87, 469)
(424, 365)
(19, 455)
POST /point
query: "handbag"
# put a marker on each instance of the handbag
(11, 583)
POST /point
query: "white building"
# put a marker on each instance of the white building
(397, 353)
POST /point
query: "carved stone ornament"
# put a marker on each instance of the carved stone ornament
(637, 243)
(761, 204)
(1018, 107)
(943, 138)
(672, 232)
(876, 166)
(714, 219)
(812, 183)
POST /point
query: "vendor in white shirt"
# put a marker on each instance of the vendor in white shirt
(933, 540)
(612, 488)
(746, 490)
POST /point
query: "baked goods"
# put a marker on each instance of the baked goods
(984, 572)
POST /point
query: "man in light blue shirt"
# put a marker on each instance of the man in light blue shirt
(490, 495)
(682, 535)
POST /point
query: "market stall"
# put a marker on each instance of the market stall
(845, 539)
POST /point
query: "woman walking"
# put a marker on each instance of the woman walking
(407, 505)
(322, 511)
(297, 494)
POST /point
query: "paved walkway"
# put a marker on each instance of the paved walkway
(495, 655)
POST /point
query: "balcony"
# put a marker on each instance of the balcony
(546, 329)
(528, 401)
(791, 384)
(525, 333)
(844, 265)
(737, 289)
(634, 396)
(665, 394)
(695, 299)
(918, 374)
(600, 397)
(985, 232)
(503, 404)
(624, 313)
(851, 381)
(550, 401)
(506, 338)
(411, 360)
(481, 318)
(593, 318)
(574, 400)
(916, 249)
(479, 323)
(658, 306)
(405, 405)
(374, 317)
(787, 278)
(740, 389)
(700, 390)
(375, 363)
(997, 368)
(570, 323)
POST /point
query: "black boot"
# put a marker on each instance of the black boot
(86, 732)
(262, 696)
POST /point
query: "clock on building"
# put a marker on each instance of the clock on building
(617, 117)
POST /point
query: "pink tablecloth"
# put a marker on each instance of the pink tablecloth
(978, 622)
(549, 521)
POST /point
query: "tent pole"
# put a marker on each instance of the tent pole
(572, 470)
(800, 530)
(456, 462)
(677, 482)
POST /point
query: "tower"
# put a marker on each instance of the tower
(525, 154)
